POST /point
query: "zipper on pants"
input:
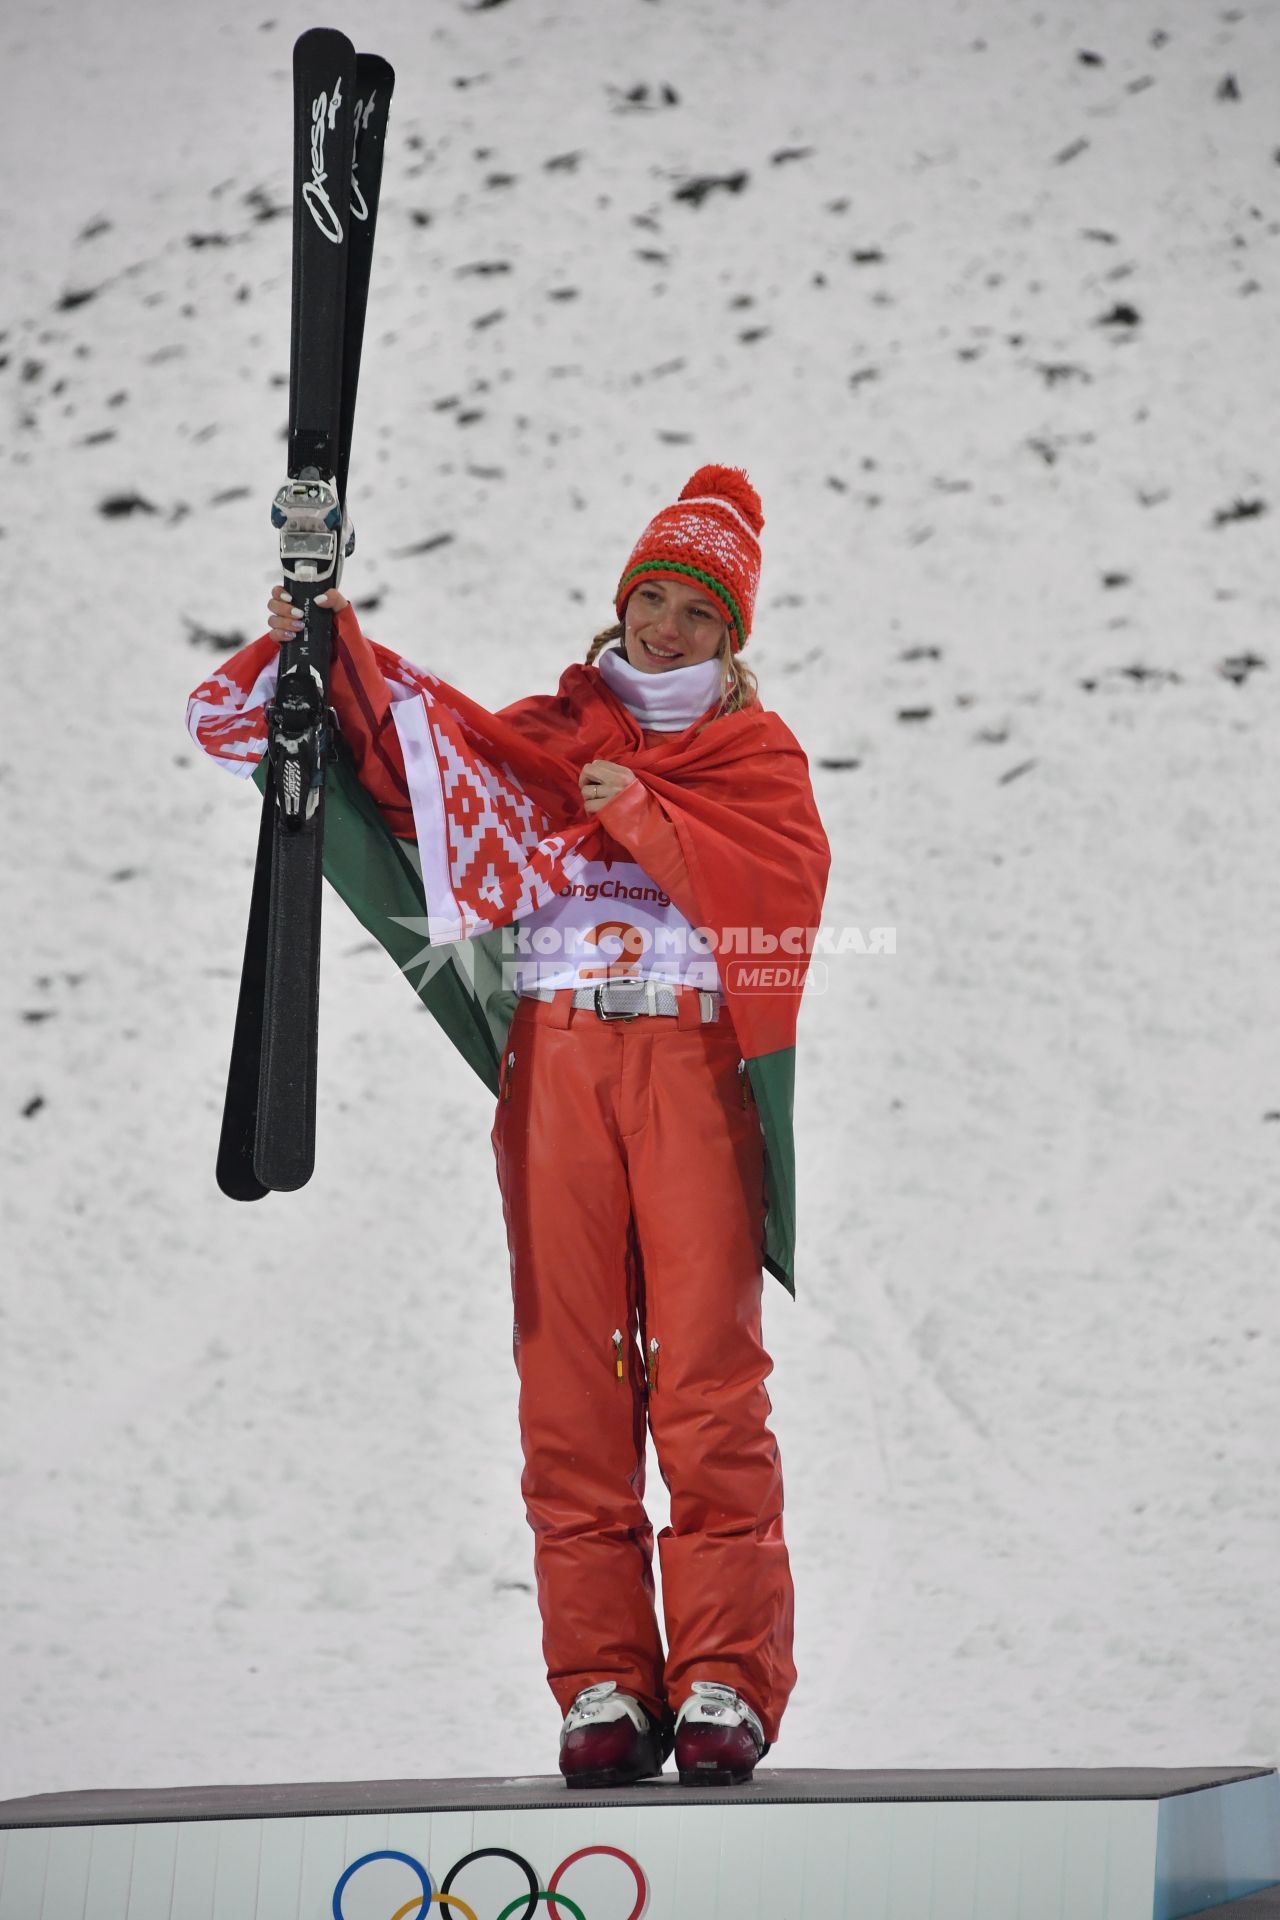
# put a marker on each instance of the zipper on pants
(653, 1366)
(506, 1078)
(618, 1369)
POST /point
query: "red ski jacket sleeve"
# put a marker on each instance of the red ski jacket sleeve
(358, 690)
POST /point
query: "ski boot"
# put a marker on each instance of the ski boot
(609, 1740)
(718, 1737)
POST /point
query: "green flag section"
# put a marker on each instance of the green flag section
(773, 1082)
(379, 877)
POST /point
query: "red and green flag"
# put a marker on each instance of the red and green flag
(447, 824)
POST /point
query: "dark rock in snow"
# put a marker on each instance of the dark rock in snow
(422, 546)
(1054, 372)
(262, 206)
(1015, 773)
(695, 191)
(1137, 673)
(1238, 666)
(117, 506)
(76, 297)
(1159, 676)
(222, 643)
(1121, 315)
(643, 96)
(1239, 510)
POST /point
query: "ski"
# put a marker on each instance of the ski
(340, 111)
(375, 80)
(235, 1174)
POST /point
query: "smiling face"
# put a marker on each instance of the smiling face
(670, 624)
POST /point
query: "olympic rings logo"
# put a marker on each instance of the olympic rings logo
(525, 1905)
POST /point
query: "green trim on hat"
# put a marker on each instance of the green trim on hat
(694, 573)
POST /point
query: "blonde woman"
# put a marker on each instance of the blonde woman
(647, 840)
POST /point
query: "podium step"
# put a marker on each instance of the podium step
(1038, 1844)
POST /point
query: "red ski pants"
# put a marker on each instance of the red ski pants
(632, 1177)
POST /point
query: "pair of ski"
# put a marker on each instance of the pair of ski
(340, 100)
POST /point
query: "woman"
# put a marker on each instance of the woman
(642, 1189)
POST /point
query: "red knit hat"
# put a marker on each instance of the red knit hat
(711, 537)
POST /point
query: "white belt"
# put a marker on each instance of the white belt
(626, 999)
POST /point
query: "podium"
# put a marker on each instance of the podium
(1093, 1843)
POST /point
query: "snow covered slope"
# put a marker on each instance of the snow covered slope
(985, 300)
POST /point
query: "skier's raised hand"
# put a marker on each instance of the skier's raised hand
(284, 619)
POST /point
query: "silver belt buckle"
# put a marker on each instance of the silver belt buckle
(603, 1013)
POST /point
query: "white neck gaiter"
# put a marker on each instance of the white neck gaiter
(665, 701)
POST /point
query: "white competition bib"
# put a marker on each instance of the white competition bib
(612, 922)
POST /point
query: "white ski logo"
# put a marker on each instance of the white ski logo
(324, 109)
(364, 113)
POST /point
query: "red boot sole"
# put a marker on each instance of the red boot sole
(608, 1777)
(715, 1776)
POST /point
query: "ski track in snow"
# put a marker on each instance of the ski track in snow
(990, 321)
